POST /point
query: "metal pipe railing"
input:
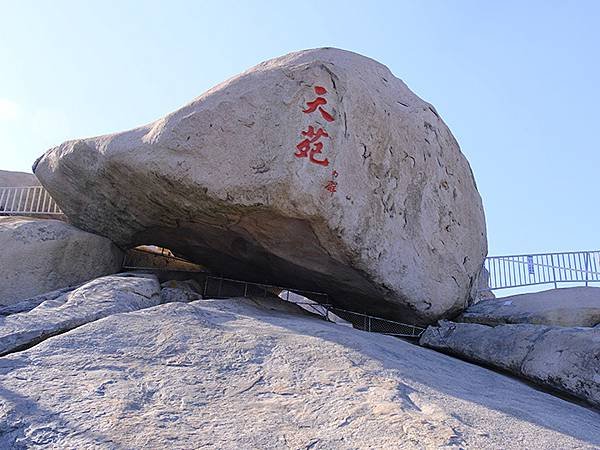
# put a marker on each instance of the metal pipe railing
(513, 271)
(27, 201)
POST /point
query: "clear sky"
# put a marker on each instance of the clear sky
(517, 82)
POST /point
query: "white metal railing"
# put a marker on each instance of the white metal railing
(27, 200)
(542, 268)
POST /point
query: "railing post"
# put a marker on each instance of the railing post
(12, 205)
(553, 271)
(587, 262)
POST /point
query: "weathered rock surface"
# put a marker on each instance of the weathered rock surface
(567, 307)
(567, 359)
(386, 218)
(99, 298)
(41, 255)
(17, 179)
(483, 283)
(242, 374)
(180, 291)
(30, 303)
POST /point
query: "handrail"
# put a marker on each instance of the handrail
(515, 271)
(27, 201)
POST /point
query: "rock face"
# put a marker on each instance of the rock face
(180, 291)
(483, 283)
(40, 255)
(242, 374)
(567, 307)
(317, 170)
(17, 179)
(567, 359)
(94, 300)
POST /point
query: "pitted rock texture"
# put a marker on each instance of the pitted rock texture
(251, 374)
(392, 224)
(40, 255)
(563, 358)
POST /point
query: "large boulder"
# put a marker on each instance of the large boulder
(41, 255)
(317, 170)
(567, 307)
(99, 298)
(563, 358)
(243, 374)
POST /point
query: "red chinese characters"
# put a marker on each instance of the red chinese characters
(331, 185)
(311, 146)
(317, 104)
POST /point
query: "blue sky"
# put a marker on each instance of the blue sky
(517, 82)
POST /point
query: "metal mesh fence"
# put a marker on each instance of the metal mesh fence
(217, 287)
(377, 324)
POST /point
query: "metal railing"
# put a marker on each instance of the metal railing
(27, 201)
(219, 287)
(516, 271)
(373, 324)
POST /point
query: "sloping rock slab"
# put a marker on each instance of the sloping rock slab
(92, 301)
(40, 255)
(30, 303)
(319, 170)
(567, 359)
(567, 307)
(241, 374)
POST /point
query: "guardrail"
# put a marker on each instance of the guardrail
(314, 302)
(218, 287)
(516, 271)
(373, 324)
(27, 201)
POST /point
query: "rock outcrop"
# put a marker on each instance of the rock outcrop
(248, 374)
(41, 255)
(99, 298)
(180, 291)
(567, 307)
(483, 286)
(17, 179)
(563, 358)
(317, 170)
